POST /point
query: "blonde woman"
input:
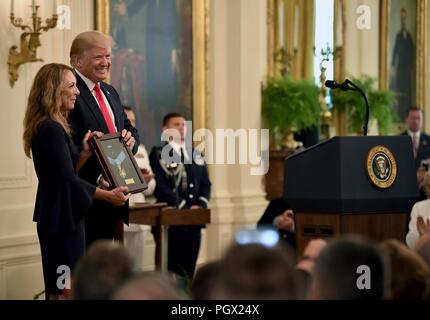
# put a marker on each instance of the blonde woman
(63, 199)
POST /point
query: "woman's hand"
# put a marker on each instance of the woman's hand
(118, 196)
(86, 151)
(89, 135)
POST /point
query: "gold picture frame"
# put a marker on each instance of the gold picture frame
(389, 9)
(200, 36)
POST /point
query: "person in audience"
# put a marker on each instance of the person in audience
(339, 265)
(419, 222)
(310, 254)
(63, 200)
(278, 215)
(409, 272)
(420, 141)
(149, 286)
(422, 247)
(426, 294)
(134, 234)
(103, 268)
(182, 182)
(256, 272)
(205, 281)
(99, 108)
(305, 266)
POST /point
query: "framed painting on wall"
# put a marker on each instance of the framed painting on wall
(159, 59)
(403, 38)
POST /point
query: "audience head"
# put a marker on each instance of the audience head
(403, 16)
(255, 272)
(339, 272)
(103, 267)
(205, 281)
(414, 119)
(90, 54)
(409, 272)
(149, 286)
(130, 115)
(52, 96)
(174, 121)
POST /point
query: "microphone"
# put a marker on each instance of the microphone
(344, 86)
(348, 85)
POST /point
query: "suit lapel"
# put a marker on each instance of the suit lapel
(91, 102)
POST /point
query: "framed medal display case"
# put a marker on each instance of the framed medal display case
(118, 163)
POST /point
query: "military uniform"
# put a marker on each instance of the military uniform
(181, 185)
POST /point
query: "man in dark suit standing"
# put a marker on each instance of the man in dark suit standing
(420, 140)
(98, 108)
(183, 182)
(278, 215)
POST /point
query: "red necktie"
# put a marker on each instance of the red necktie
(104, 109)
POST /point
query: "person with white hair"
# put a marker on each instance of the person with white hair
(419, 223)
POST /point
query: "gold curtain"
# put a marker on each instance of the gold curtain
(339, 119)
(290, 25)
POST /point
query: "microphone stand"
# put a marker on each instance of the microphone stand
(366, 119)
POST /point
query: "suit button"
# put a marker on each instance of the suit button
(191, 185)
(191, 196)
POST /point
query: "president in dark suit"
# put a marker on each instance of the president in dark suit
(98, 108)
(182, 182)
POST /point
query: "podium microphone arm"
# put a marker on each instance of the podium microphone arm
(348, 85)
(366, 119)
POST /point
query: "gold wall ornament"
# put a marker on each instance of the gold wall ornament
(381, 167)
(285, 60)
(290, 33)
(327, 55)
(29, 41)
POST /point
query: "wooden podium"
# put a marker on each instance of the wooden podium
(330, 192)
(161, 217)
(376, 226)
(274, 178)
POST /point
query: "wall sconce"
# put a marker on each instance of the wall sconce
(285, 59)
(29, 40)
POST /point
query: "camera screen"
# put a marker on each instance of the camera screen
(266, 237)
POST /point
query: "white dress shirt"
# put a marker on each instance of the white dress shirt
(416, 134)
(90, 84)
(177, 148)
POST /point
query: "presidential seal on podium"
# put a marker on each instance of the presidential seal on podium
(381, 167)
